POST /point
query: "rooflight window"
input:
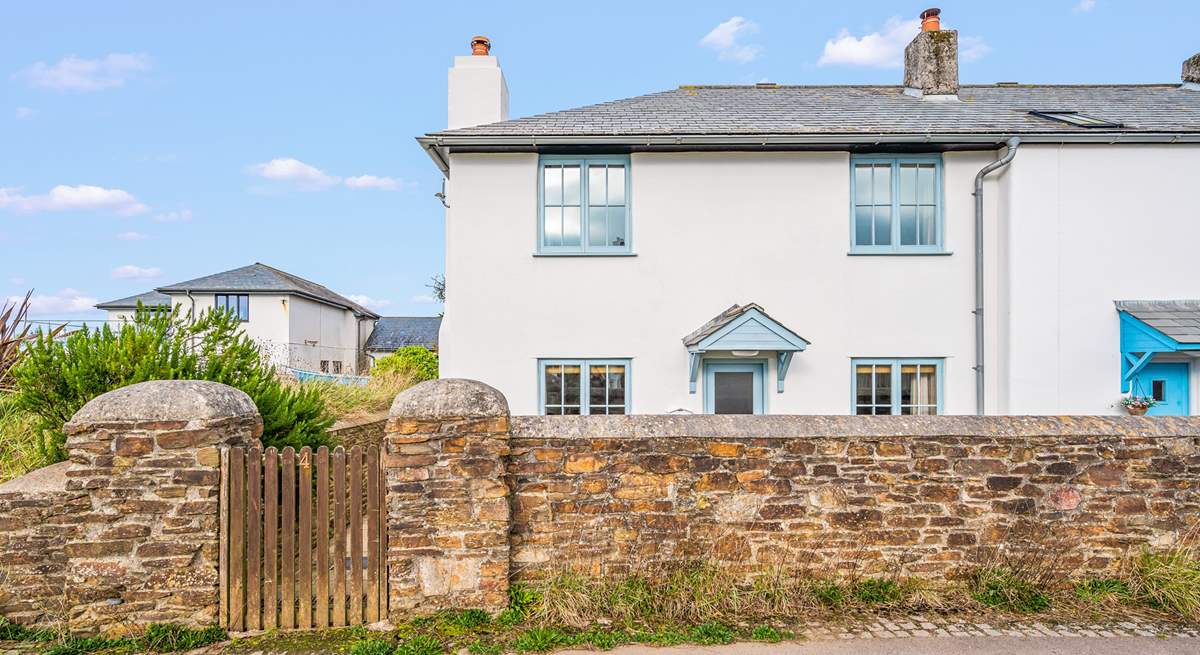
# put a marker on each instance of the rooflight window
(1075, 118)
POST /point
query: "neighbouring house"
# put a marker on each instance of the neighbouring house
(926, 247)
(299, 324)
(395, 332)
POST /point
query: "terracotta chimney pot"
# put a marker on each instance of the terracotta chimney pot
(480, 46)
(930, 20)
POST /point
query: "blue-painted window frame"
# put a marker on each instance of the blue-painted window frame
(896, 362)
(584, 248)
(584, 392)
(939, 198)
(736, 365)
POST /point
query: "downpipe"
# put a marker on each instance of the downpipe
(1013, 143)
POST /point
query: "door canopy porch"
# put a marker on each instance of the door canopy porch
(743, 329)
(1150, 327)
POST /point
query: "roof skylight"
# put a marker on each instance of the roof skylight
(1075, 118)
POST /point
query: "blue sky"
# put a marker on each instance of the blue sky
(147, 143)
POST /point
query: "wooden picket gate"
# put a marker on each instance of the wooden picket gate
(284, 561)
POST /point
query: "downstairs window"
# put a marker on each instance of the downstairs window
(583, 386)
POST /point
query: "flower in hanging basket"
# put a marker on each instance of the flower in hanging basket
(1137, 405)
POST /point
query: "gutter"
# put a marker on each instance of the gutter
(1013, 144)
(439, 146)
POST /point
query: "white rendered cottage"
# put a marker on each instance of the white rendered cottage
(921, 248)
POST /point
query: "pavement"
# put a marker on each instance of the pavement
(984, 645)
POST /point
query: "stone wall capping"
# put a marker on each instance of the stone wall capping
(449, 398)
(163, 400)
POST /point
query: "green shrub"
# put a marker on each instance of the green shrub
(19, 442)
(878, 591)
(1096, 590)
(1169, 580)
(414, 361)
(540, 640)
(711, 634)
(372, 647)
(766, 633)
(1002, 589)
(829, 593)
(170, 637)
(56, 378)
(421, 645)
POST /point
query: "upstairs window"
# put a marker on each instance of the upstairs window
(896, 204)
(897, 386)
(583, 205)
(236, 304)
(584, 386)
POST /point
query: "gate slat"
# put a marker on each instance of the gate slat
(322, 617)
(287, 542)
(254, 494)
(372, 534)
(356, 536)
(339, 537)
(223, 543)
(237, 543)
(270, 592)
(304, 581)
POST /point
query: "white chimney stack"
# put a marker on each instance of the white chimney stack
(478, 94)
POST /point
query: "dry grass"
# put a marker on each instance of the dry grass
(1169, 579)
(19, 451)
(348, 401)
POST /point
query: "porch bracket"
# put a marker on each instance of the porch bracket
(784, 360)
(693, 369)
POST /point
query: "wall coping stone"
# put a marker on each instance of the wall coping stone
(650, 426)
(51, 478)
(450, 398)
(165, 400)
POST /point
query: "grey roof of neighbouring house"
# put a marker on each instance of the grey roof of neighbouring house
(1178, 319)
(260, 278)
(395, 332)
(830, 110)
(148, 299)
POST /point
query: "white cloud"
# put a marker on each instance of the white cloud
(726, 40)
(287, 169)
(131, 236)
(131, 272)
(24, 112)
(181, 216)
(1085, 5)
(885, 48)
(73, 73)
(376, 182)
(424, 299)
(67, 301)
(17, 281)
(367, 301)
(84, 197)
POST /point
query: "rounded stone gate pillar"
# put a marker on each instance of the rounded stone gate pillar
(447, 501)
(148, 456)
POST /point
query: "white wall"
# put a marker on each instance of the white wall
(1086, 225)
(709, 230)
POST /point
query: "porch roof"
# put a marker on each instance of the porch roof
(1149, 327)
(743, 327)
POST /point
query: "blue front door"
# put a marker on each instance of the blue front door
(734, 387)
(1166, 382)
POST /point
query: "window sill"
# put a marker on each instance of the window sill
(585, 254)
(898, 253)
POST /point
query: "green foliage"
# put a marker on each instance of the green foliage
(1169, 580)
(19, 442)
(1002, 589)
(766, 633)
(829, 593)
(56, 378)
(10, 631)
(468, 619)
(878, 591)
(170, 637)
(481, 647)
(601, 639)
(372, 647)
(84, 645)
(711, 634)
(1096, 590)
(421, 645)
(414, 361)
(540, 640)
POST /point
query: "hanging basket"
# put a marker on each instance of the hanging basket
(1136, 410)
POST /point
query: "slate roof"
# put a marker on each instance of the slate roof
(799, 110)
(149, 299)
(260, 278)
(395, 332)
(1178, 319)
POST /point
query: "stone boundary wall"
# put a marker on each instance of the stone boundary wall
(125, 533)
(364, 431)
(611, 493)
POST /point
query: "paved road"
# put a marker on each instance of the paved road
(940, 646)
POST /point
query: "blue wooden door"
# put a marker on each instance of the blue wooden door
(1166, 382)
(734, 387)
